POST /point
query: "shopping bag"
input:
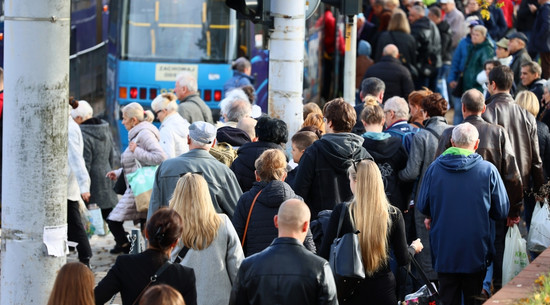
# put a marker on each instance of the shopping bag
(141, 182)
(96, 219)
(539, 234)
(515, 255)
(86, 218)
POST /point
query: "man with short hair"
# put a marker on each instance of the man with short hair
(461, 188)
(396, 111)
(390, 70)
(322, 177)
(222, 183)
(191, 107)
(530, 78)
(369, 86)
(517, 45)
(522, 132)
(428, 47)
(286, 272)
(455, 18)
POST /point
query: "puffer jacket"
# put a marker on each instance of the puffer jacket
(494, 146)
(148, 152)
(261, 229)
(522, 131)
(243, 166)
(99, 158)
(285, 273)
(478, 54)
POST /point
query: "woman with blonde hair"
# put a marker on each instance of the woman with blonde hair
(74, 284)
(399, 34)
(529, 101)
(381, 227)
(208, 243)
(261, 203)
(174, 129)
(143, 147)
(311, 107)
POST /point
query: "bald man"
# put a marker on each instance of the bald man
(286, 272)
(390, 70)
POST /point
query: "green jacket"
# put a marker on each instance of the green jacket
(477, 56)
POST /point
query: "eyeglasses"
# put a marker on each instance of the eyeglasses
(157, 112)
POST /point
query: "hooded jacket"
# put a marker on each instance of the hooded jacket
(238, 80)
(460, 192)
(99, 156)
(261, 229)
(244, 167)
(322, 177)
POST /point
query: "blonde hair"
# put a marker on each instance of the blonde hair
(192, 201)
(165, 101)
(74, 284)
(528, 101)
(315, 120)
(399, 22)
(135, 110)
(271, 165)
(371, 211)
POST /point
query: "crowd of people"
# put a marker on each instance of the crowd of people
(237, 217)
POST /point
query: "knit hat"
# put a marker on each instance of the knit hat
(364, 48)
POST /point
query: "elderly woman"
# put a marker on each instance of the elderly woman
(144, 147)
(173, 129)
(421, 156)
(479, 52)
(98, 155)
(262, 202)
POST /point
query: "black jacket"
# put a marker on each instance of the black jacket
(404, 42)
(446, 35)
(543, 133)
(428, 43)
(391, 157)
(322, 177)
(284, 273)
(397, 78)
(261, 229)
(131, 273)
(525, 19)
(537, 87)
(495, 147)
(243, 166)
(496, 25)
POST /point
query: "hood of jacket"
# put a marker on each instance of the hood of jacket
(273, 193)
(95, 128)
(459, 162)
(252, 150)
(133, 133)
(422, 23)
(339, 148)
(381, 149)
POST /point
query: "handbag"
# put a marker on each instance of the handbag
(345, 255)
(96, 219)
(120, 185)
(539, 234)
(153, 280)
(427, 294)
(141, 182)
(515, 255)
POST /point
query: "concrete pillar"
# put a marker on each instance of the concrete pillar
(36, 64)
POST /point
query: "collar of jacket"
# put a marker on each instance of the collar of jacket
(433, 120)
(500, 98)
(286, 240)
(457, 151)
(190, 96)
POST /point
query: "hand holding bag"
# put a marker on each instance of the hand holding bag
(141, 182)
(539, 234)
(515, 255)
(345, 255)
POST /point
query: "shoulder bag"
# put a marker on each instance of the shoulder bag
(153, 280)
(345, 254)
(248, 218)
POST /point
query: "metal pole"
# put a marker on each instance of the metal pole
(36, 113)
(350, 59)
(286, 62)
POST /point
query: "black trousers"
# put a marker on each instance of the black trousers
(117, 229)
(500, 238)
(452, 286)
(77, 233)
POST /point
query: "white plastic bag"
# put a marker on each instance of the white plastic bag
(539, 234)
(96, 219)
(515, 255)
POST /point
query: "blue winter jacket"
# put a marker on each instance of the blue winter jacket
(461, 193)
(238, 80)
(541, 29)
(459, 59)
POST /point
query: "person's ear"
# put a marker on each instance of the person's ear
(276, 221)
(214, 143)
(452, 143)
(188, 140)
(476, 145)
(283, 177)
(257, 176)
(484, 108)
(305, 227)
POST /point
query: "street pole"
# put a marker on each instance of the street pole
(350, 59)
(286, 62)
(34, 196)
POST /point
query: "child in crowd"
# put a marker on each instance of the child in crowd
(300, 141)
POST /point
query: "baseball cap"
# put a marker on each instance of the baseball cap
(446, 1)
(503, 43)
(518, 35)
(202, 132)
